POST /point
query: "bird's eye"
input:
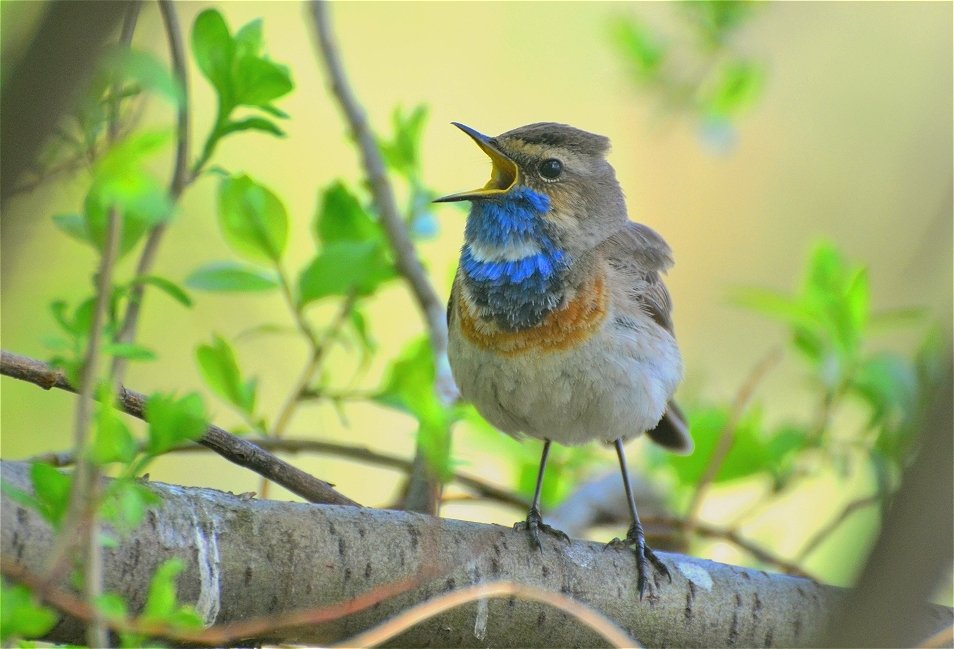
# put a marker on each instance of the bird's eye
(550, 169)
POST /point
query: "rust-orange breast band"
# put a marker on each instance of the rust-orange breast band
(562, 329)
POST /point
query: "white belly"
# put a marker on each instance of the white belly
(615, 385)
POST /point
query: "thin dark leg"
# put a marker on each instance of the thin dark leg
(635, 537)
(534, 523)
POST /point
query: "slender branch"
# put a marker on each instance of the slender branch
(727, 436)
(834, 524)
(234, 449)
(607, 629)
(422, 484)
(84, 495)
(479, 486)
(180, 180)
(318, 348)
(406, 259)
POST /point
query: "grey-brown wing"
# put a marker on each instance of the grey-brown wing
(639, 254)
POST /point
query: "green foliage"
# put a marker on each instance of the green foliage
(21, 616)
(252, 219)
(162, 604)
(241, 75)
(51, 489)
(173, 420)
(829, 319)
(126, 503)
(221, 373)
(345, 266)
(231, 276)
(409, 387)
(112, 439)
(352, 254)
(402, 153)
(668, 67)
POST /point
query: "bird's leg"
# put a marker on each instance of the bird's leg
(635, 538)
(534, 523)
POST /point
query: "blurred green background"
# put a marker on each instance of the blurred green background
(847, 138)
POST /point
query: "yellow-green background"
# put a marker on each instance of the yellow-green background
(851, 141)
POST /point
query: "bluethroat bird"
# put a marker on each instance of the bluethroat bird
(559, 323)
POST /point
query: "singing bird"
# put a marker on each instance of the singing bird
(559, 324)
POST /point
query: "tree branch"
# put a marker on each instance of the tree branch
(406, 260)
(234, 449)
(423, 488)
(252, 559)
(180, 179)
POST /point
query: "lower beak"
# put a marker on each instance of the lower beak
(502, 178)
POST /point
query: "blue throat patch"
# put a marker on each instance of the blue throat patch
(519, 293)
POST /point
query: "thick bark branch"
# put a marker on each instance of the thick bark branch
(248, 558)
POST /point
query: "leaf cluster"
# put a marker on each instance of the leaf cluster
(700, 73)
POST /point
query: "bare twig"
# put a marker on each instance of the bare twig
(180, 180)
(318, 349)
(234, 449)
(609, 630)
(482, 488)
(834, 524)
(727, 436)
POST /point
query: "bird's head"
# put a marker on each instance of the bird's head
(549, 181)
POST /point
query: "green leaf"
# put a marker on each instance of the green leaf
(112, 440)
(345, 266)
(232, 276)
(146, 71)
(221, 373)
(253, 219)
(738, 86)
(889, 385)
(173, 420)
(641, 47)
(129, 351)
(212, 48)
(122, 183)
(167, 286)
(127, 502)
(360, 324)
(258, 81)
(74, 225)
(52, 491)
(161, 602)
(409, 387)
(21, 615)
(111, 606)
(402, 153)
(340, 217)
(252, 124)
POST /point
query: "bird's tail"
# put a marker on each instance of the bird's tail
(672, 431)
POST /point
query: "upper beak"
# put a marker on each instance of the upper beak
(502, 178)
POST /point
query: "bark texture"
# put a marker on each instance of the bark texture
(249, 558)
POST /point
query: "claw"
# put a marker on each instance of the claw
(534, 525)
(644, 556)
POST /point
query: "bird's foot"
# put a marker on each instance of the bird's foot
(636, 540)
(534, 525)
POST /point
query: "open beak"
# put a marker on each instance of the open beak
(502, 178)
